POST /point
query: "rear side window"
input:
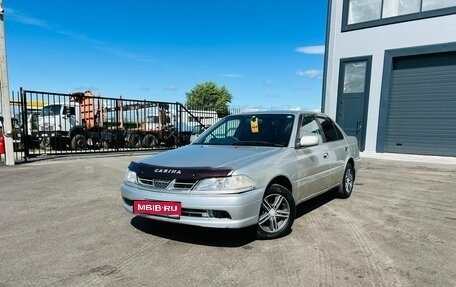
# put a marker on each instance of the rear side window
(331, 131)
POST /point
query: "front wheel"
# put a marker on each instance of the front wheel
(277, 213)
(346, 186)
(79, 142)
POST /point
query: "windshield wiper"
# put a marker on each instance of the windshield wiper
(257, 143)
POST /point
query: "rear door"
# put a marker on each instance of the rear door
(313, 175)
(337, 150)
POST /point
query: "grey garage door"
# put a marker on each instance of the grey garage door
(422, 105)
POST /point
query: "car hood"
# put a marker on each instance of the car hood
(232, 157)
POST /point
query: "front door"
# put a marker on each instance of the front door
(353, 97)
(313, 162)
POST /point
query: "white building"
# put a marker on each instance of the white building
(390, 74)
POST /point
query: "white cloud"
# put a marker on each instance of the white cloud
(120, 53)
(302, 88)
(19, 17)
(310, 73)
(311, 50)
(232, 75)
(171, 88)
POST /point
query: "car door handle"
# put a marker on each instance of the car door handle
(325, 155)
(346, 148)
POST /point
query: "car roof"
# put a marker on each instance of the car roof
(287, 112)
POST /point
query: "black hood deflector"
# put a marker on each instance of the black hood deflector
(148, 171)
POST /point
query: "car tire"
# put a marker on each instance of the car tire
(79, 142)
(277, 213)
(134, 141)
(149, 141)
(348, 181)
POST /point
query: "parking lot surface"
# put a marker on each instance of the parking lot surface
(62, 224)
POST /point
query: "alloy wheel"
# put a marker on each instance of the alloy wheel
(274, 214)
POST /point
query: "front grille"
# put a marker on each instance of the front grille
(47, 128)
(157, 183)
(184, 184)
(168, 183)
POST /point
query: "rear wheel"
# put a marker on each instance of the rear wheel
(348, 181)
(149, 141)
(277, 213)
(134, 141)
(79, 142)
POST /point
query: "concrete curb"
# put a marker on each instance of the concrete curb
(410, 158)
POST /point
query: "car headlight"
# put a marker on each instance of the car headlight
(230, 184)
(130, 177)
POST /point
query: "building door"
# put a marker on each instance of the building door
(421, 115)
(353, 97)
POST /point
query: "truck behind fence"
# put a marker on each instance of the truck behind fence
(54, 123)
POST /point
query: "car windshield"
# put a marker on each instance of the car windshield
(250, 130)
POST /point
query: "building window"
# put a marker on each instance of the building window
(362, 10)
(360, 14)
(354, 77)
(437, 4)
(392, 8)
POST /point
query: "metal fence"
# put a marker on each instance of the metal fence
(46, 123)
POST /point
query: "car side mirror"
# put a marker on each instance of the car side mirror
(308, 141)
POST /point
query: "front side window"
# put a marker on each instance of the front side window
(310, 127)
(354, 77)
(51, 110)
(152, 119)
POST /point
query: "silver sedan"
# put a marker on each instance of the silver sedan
(246, 170)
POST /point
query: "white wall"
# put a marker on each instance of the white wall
(374, 41)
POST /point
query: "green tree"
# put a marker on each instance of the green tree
(208, 96)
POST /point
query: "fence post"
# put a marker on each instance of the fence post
(25, 135)
(4, 90)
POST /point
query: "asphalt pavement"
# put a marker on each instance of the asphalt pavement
(62, 224)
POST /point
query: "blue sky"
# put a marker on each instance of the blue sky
(268, 54)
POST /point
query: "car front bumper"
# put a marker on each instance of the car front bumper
(242, 209)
